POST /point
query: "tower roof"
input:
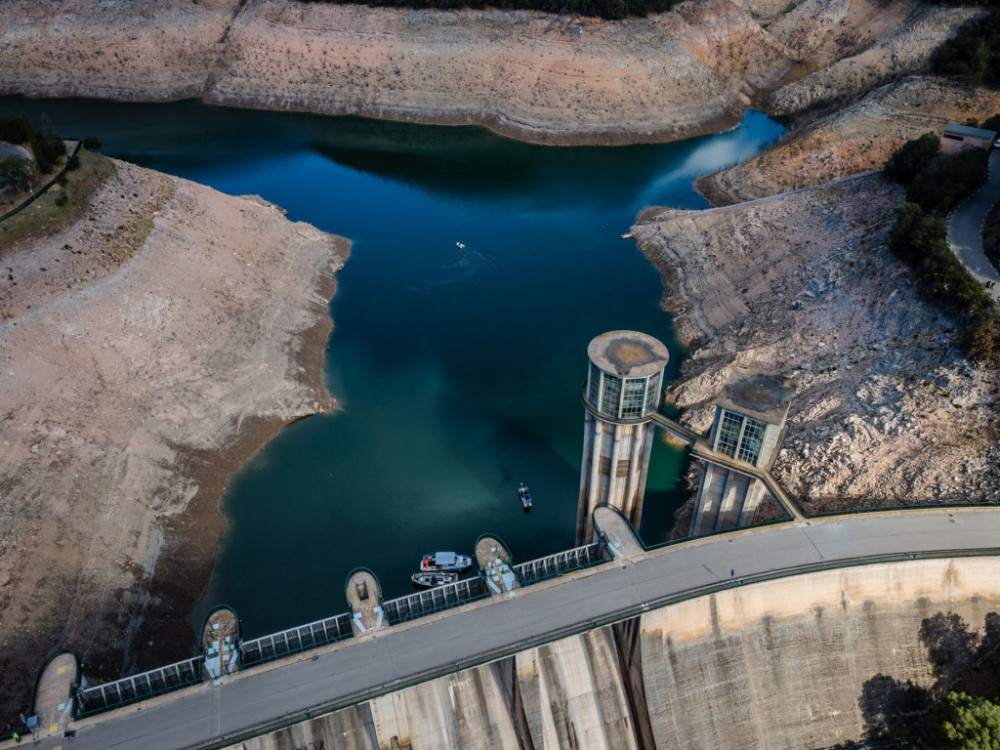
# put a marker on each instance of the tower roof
(757, 396)
(628, 354)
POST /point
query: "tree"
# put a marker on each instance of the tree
(947, 179)
(969, 723)
(16, 172)
(911, 157)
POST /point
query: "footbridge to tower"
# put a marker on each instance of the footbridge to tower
(618, 645)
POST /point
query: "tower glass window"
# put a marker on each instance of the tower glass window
(594, 385)
(634, 398)
(753, 438)
(610, 395)
(653, 392)
(729, 433)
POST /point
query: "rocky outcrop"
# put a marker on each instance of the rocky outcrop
(532, 76)
(803, 285)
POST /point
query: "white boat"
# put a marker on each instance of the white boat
(445, 561)
(460, 246)
(430, 580)
(522, 492)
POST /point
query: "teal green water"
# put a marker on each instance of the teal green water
(459, 370)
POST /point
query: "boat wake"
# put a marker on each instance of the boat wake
(468, 271)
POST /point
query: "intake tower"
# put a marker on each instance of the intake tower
(624, 388)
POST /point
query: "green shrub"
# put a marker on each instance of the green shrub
(91, 143)
(947, 179)
(921, 242)
(14, 128)
(62, 199)
(912, 157)
(973, 53)
(16, 172)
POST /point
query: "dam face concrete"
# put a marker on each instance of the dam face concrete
(776, 664)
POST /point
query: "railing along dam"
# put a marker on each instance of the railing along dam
(761, 637)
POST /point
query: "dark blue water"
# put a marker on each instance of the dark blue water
(459, 371)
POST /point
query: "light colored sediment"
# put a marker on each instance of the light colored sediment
(532, 76)
(886, 410)
(857, 138)
(131, 388)
(909, 34)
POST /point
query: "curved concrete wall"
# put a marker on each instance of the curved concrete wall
(775, 664)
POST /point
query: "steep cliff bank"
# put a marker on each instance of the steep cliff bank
(528, 75)
(133, 385)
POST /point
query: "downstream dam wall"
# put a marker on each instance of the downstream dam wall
(783, 663)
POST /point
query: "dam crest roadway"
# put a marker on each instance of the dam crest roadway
(633, 583)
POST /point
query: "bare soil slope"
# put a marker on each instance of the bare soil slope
(886, 411)
(133, 385)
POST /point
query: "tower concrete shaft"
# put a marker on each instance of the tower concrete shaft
(623, 389)
(626, 447)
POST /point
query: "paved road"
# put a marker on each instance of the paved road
(214, 716)
(965, 227)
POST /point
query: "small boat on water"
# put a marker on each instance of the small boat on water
(460, 246)
(522, 492)
(445, 561)
(430, 580)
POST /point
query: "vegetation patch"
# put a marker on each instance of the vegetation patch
(57, 209)
(936, 183)
(973, 54)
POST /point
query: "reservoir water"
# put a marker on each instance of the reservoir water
(458, 369)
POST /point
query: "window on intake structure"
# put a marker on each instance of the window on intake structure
(635, 396)
(729, 433)
(753, 438)
(653, 392)
(593, 385)
(609, 399)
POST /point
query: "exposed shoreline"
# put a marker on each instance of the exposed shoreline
(135, 385)
(183, 571)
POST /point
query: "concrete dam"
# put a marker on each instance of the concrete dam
(793, 634)
(779, 664)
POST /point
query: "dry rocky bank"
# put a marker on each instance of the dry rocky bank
(132, 388)
(886, 411)
(532, 76)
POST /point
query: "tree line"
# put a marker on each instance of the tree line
(935, 184)
(973, 54)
